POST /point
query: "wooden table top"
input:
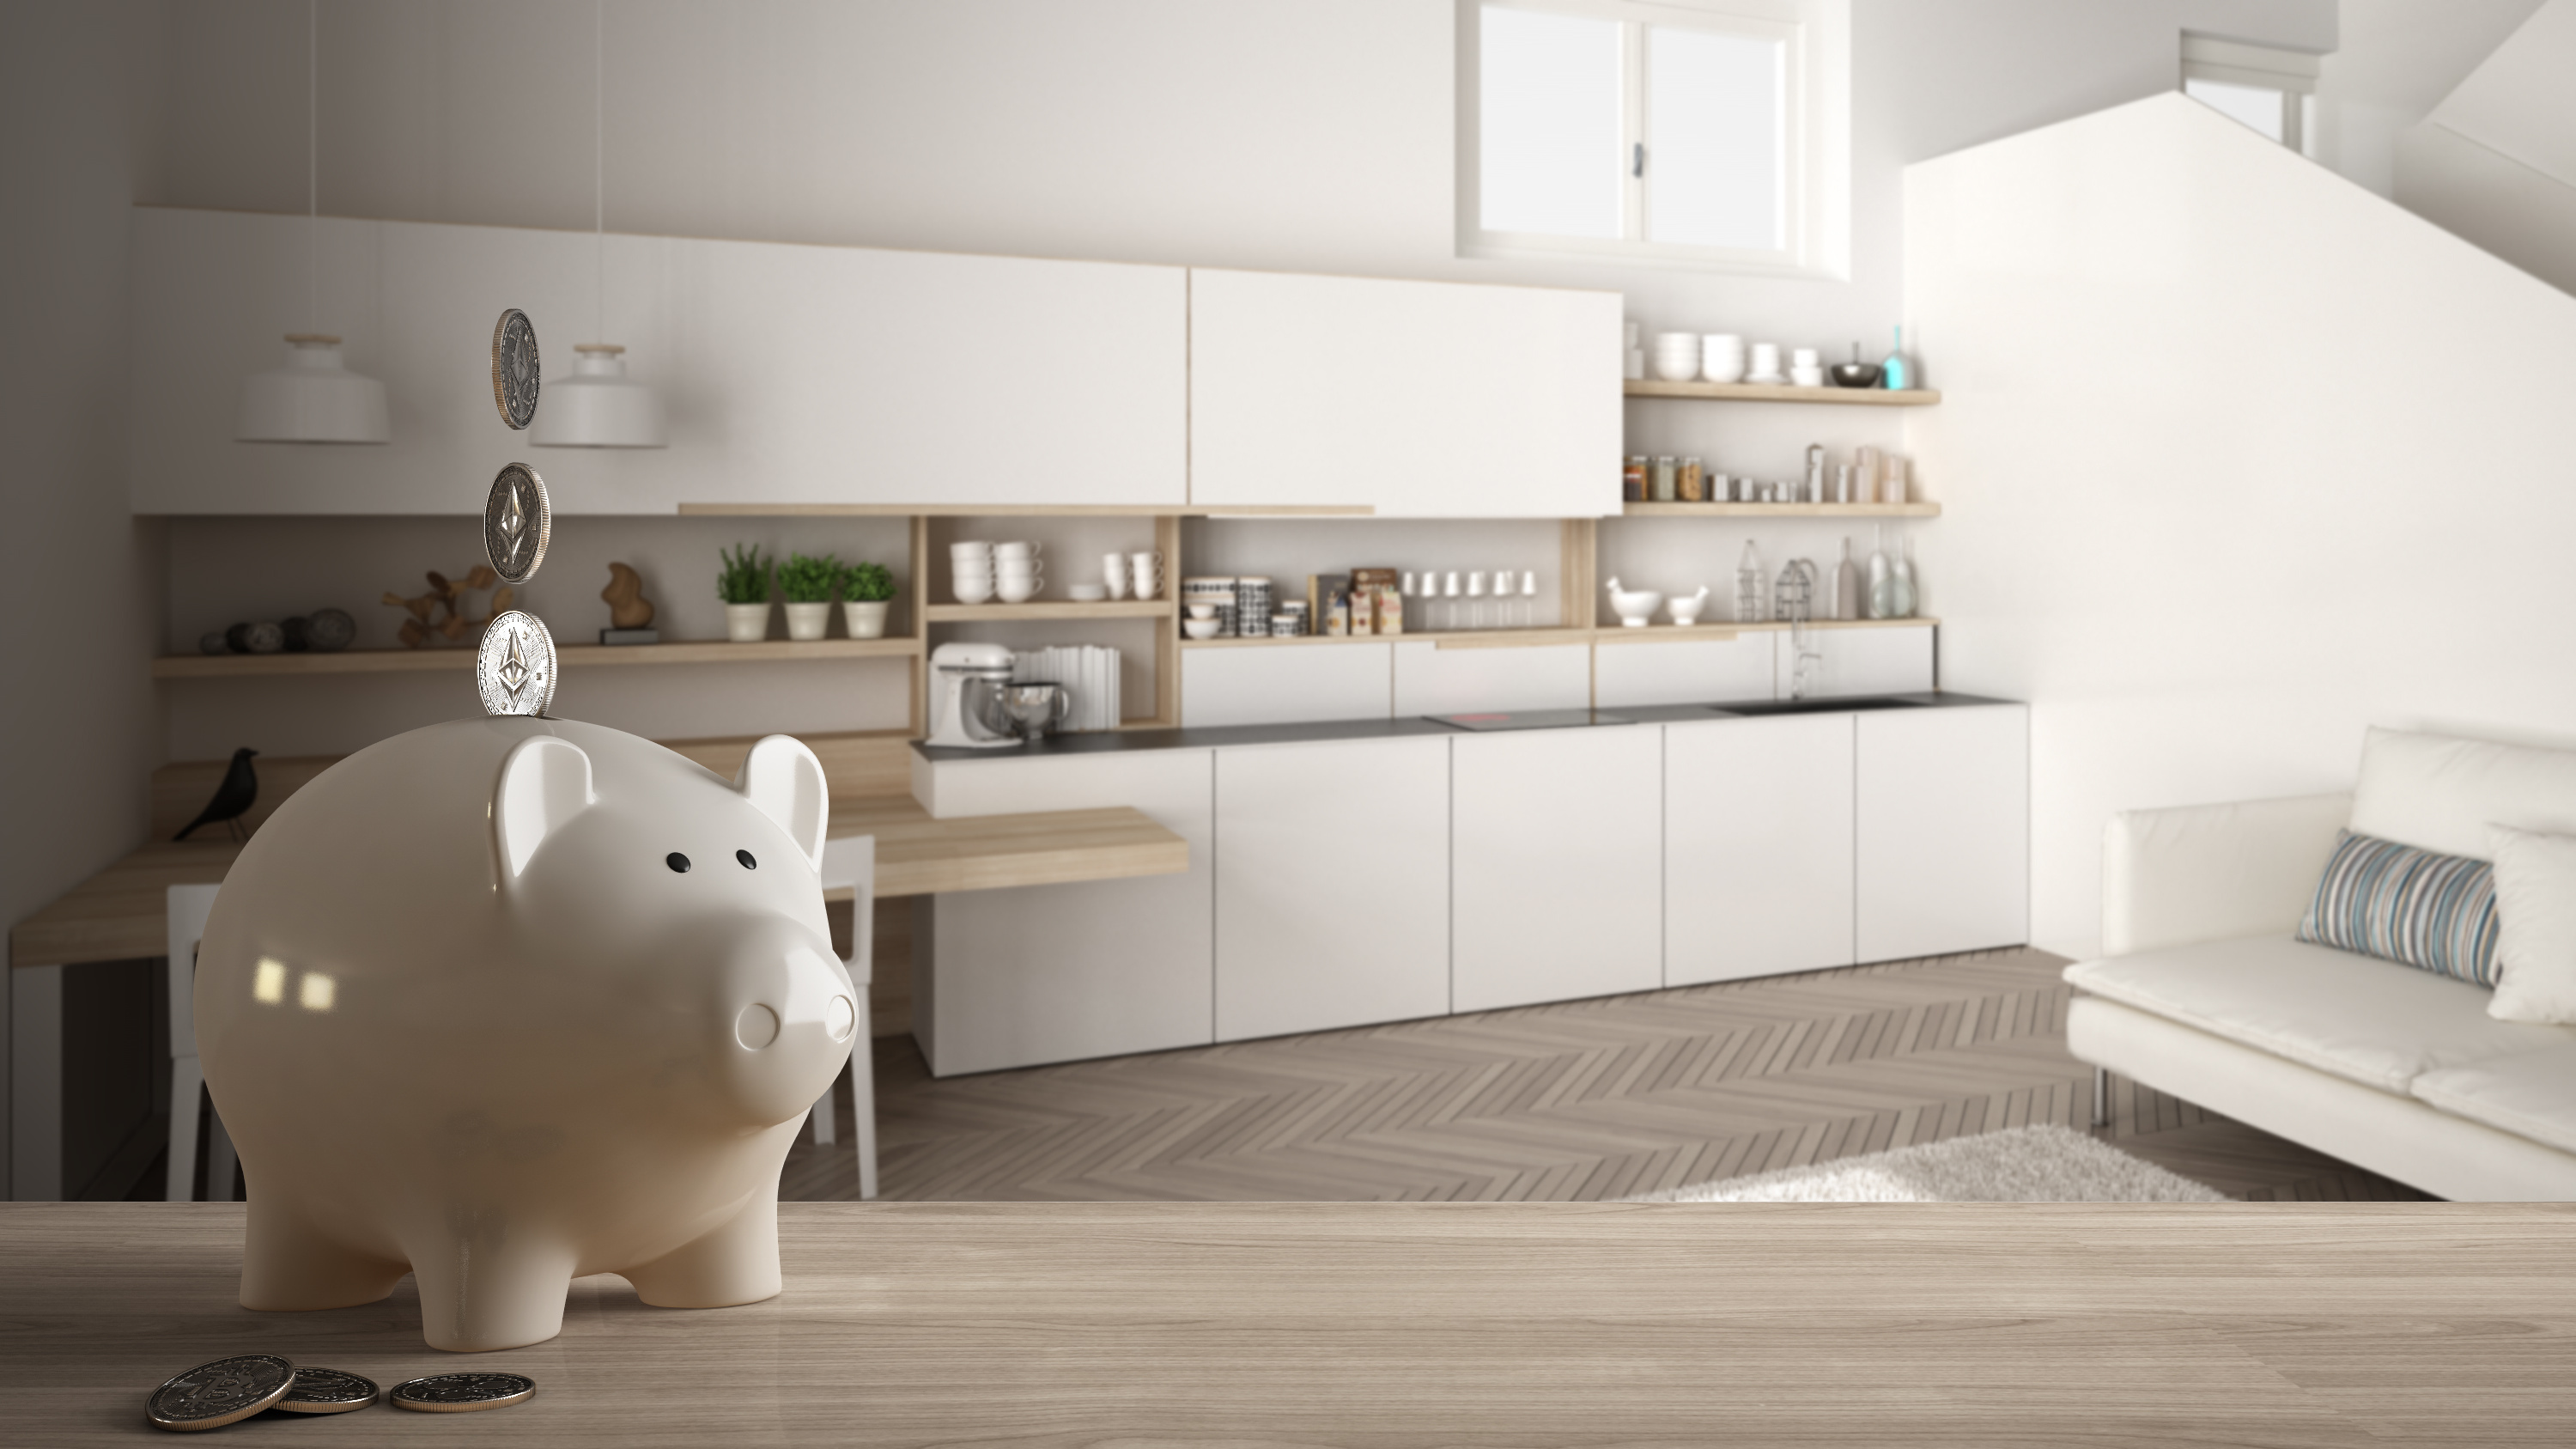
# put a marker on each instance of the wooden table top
(1413, 1325)
(121, 913)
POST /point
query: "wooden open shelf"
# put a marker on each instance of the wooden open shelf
(1027, 510)
(1535, 638)
(569, 656)
(1042, 609)
(1865, 397)
(1780, 510)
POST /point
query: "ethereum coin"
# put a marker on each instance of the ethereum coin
(460, 1393)
(326, 1391)
(515, 374)
(514, 671)
(226, 1391)
(518, 523)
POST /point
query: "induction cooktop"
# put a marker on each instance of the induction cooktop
(1529, 719)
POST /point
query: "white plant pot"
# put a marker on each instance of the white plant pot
(746, 623)
(866, 618)
(806, 622)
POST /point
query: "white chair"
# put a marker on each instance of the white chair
(852, 862)
(189, 905)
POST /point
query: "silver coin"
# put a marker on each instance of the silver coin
(518, 523)
(327, 1391)
(515, 374)
(226, 1391)
(462, 1393)
(514, 670)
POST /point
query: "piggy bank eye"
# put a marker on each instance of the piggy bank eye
(747, 862)
(678, 863)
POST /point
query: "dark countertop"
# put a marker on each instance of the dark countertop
(1104, 742)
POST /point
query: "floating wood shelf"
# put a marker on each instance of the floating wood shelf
(1040, 609)
(1866, 397)
(1538, 638)
(1026, 510)
(570, 656)
(1780, 510)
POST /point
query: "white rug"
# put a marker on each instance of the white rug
(2021, 1164)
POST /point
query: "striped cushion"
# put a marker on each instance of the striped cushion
(2403, 904)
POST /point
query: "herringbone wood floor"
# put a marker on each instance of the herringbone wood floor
(1578, 1100)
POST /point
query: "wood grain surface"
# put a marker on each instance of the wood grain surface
(1413, 1325)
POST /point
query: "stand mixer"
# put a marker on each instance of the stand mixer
(967, 708)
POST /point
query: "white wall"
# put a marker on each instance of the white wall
(2239, 459)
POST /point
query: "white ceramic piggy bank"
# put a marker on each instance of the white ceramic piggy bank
(505, 1001)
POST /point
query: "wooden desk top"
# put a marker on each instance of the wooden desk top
(1414, 1325)
(121, 913)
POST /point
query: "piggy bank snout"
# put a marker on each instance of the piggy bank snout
(785, 1014)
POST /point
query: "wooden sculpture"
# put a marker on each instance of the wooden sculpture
(627, 606)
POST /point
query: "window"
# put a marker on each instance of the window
(1707, 133)
(2261, 86)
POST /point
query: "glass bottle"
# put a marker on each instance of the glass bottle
(1882, 580)
(1752, 591)
(1847, 585)
(1529, 598)
(1894, 377)
(1901, 579)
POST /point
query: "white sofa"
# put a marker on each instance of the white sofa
(2204, 993)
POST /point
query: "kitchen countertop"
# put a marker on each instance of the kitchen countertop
(1108, 742)
(1408, 1324)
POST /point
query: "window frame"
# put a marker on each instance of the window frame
(2293, 73)
(1815, 173)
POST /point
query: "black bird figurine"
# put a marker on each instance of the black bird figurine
(232, 797)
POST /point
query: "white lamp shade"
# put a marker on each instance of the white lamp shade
(599, 406)
(312, 399)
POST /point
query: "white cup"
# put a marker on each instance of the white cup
(1676, 356)
(970, 548)
(1005, 552)
(1018, 591)
(1113, 573)
(1014, 573)
(972, 588)
(1766, 360)
(1145, 573)
(1807, 377)
(1803, 357)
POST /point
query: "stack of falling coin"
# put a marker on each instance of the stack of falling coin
(230, 1390)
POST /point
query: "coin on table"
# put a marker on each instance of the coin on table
(462, 1393)
(514, 670)
(515, 374)
(226, 1391)
(518, 523)
(326, 1391)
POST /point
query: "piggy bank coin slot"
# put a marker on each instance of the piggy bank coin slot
(678, 863)
(747, 862)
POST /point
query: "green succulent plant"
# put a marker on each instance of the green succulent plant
(866, 583)
(805, 579)
(745, 576)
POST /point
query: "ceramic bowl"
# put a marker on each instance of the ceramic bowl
(1203, 611)
(1200, 628)
(1686, 610)
(1854, 374)
(1635, 606)
(1087, 593)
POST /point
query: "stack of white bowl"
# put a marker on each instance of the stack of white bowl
(1019, 574)
(970, 570)
(1676, 356)
(1721, 357)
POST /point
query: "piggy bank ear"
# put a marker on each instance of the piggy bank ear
(783, 780)
(544, 783)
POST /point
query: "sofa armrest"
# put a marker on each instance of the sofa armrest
(2211, 872)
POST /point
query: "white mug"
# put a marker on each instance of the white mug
(1113, 573)
(1005, 552)
(1147, 576)
(973, 588)
(970, 548)
(1013, 590)
(1010, 572)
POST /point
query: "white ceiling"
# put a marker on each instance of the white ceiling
(2520, 101)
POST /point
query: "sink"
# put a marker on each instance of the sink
(1818, 706)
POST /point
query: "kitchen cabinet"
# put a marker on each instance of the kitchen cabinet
(1425, 399)
(1431, 678)
(1660, 669)
(1284, 683)
(1758, 842)
(1011, 978)
(1943, 844)
(1881, 659)
(1557, 874)
(1332, 885)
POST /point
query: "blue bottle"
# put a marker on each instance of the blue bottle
(1893, 377)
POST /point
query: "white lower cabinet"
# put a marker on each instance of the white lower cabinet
(1332, 885)
(1943, 847)
(1757, 847)
(1557, 865)
(1011, 978)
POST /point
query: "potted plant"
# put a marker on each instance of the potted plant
(806, 582)
(867, 590)
(744, 586)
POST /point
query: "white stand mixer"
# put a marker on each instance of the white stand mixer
(966, 710)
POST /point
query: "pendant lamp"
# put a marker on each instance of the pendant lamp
(599, 406)
(314, 397)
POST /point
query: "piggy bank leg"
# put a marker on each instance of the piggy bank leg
(288, 1267)
(483, 1287)
(736, 1263)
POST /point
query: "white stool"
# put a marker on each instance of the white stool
(852, 862)
(189, 905)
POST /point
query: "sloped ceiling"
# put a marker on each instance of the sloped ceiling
(2521, 102)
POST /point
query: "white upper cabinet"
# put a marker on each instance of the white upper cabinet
(1422, 399)
(789, 374)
